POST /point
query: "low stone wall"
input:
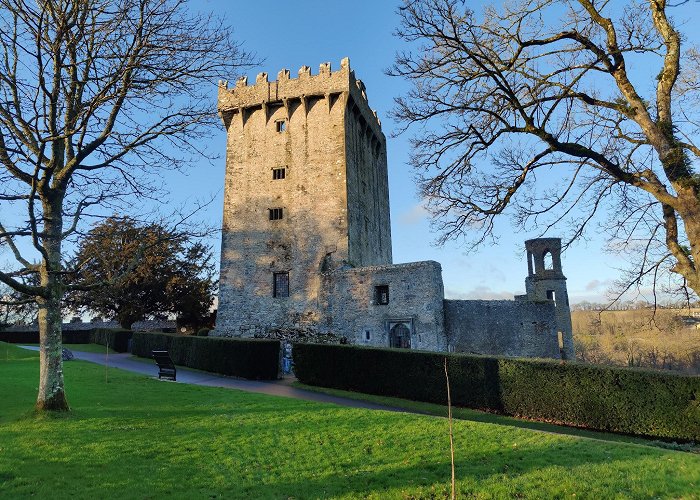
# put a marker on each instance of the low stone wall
(502, 327)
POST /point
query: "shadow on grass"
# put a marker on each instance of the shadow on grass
(500, 466)
(507, 468)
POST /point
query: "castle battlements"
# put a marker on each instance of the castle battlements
(327, 84)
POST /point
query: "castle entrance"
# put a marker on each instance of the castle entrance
(400, 336)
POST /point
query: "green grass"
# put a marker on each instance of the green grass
(135, 437)
(491, 418)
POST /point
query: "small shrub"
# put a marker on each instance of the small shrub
(203, 332)
(247, 358)
(630, 401)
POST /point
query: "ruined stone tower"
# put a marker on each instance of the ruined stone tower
(306, 192)
(546, 282)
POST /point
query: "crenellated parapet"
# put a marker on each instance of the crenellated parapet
(327, 84)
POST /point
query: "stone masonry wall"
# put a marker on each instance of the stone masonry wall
(502, 327)
(369, 227)
(538, 290)
(545, 283)
(312, 237)
(415, 298)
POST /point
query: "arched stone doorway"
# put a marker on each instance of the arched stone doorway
(400, 336)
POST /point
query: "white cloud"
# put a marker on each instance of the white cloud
(596, 285)
(416, 214)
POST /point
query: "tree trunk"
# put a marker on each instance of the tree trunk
(52, 396)
(688, 265)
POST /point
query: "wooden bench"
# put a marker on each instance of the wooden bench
(166, 367)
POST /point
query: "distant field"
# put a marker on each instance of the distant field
(136, 437)
(665, 338)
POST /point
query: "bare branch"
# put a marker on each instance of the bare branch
(492, 90)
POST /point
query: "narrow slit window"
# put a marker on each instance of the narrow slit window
(276, 213)
(281, 125)
(381, 294)
(279, 173)
(281, 285)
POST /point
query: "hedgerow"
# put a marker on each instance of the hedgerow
(630, 401)
(247, 358)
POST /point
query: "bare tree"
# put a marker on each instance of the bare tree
(95, 95)
(15, 308)
(572, 113)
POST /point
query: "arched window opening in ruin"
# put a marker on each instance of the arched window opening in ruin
(400, 336)
(548, 261)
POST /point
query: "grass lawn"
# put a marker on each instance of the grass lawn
(135, 437)
(481, 416)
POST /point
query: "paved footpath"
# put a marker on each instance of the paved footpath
(188, 376)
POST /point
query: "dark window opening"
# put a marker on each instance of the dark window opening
(281, 285)
(278, 173)
(281, 125)
(275, 213)
(367, 335)
(400, 336)
(381, 294)
(551, 295)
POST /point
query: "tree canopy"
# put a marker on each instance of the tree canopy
(564, 114)
(15, 308)
(130, 272)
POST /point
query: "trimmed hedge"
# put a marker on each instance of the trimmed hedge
(117, 340)
(623, 400)
(69, 337)
(248, 358)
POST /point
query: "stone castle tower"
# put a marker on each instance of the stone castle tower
(306, 192)
(546, 282)
(306, 240)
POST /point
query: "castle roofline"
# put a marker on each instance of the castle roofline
(325, 83)
(553, 240)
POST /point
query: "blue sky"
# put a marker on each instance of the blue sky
(309, 32)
